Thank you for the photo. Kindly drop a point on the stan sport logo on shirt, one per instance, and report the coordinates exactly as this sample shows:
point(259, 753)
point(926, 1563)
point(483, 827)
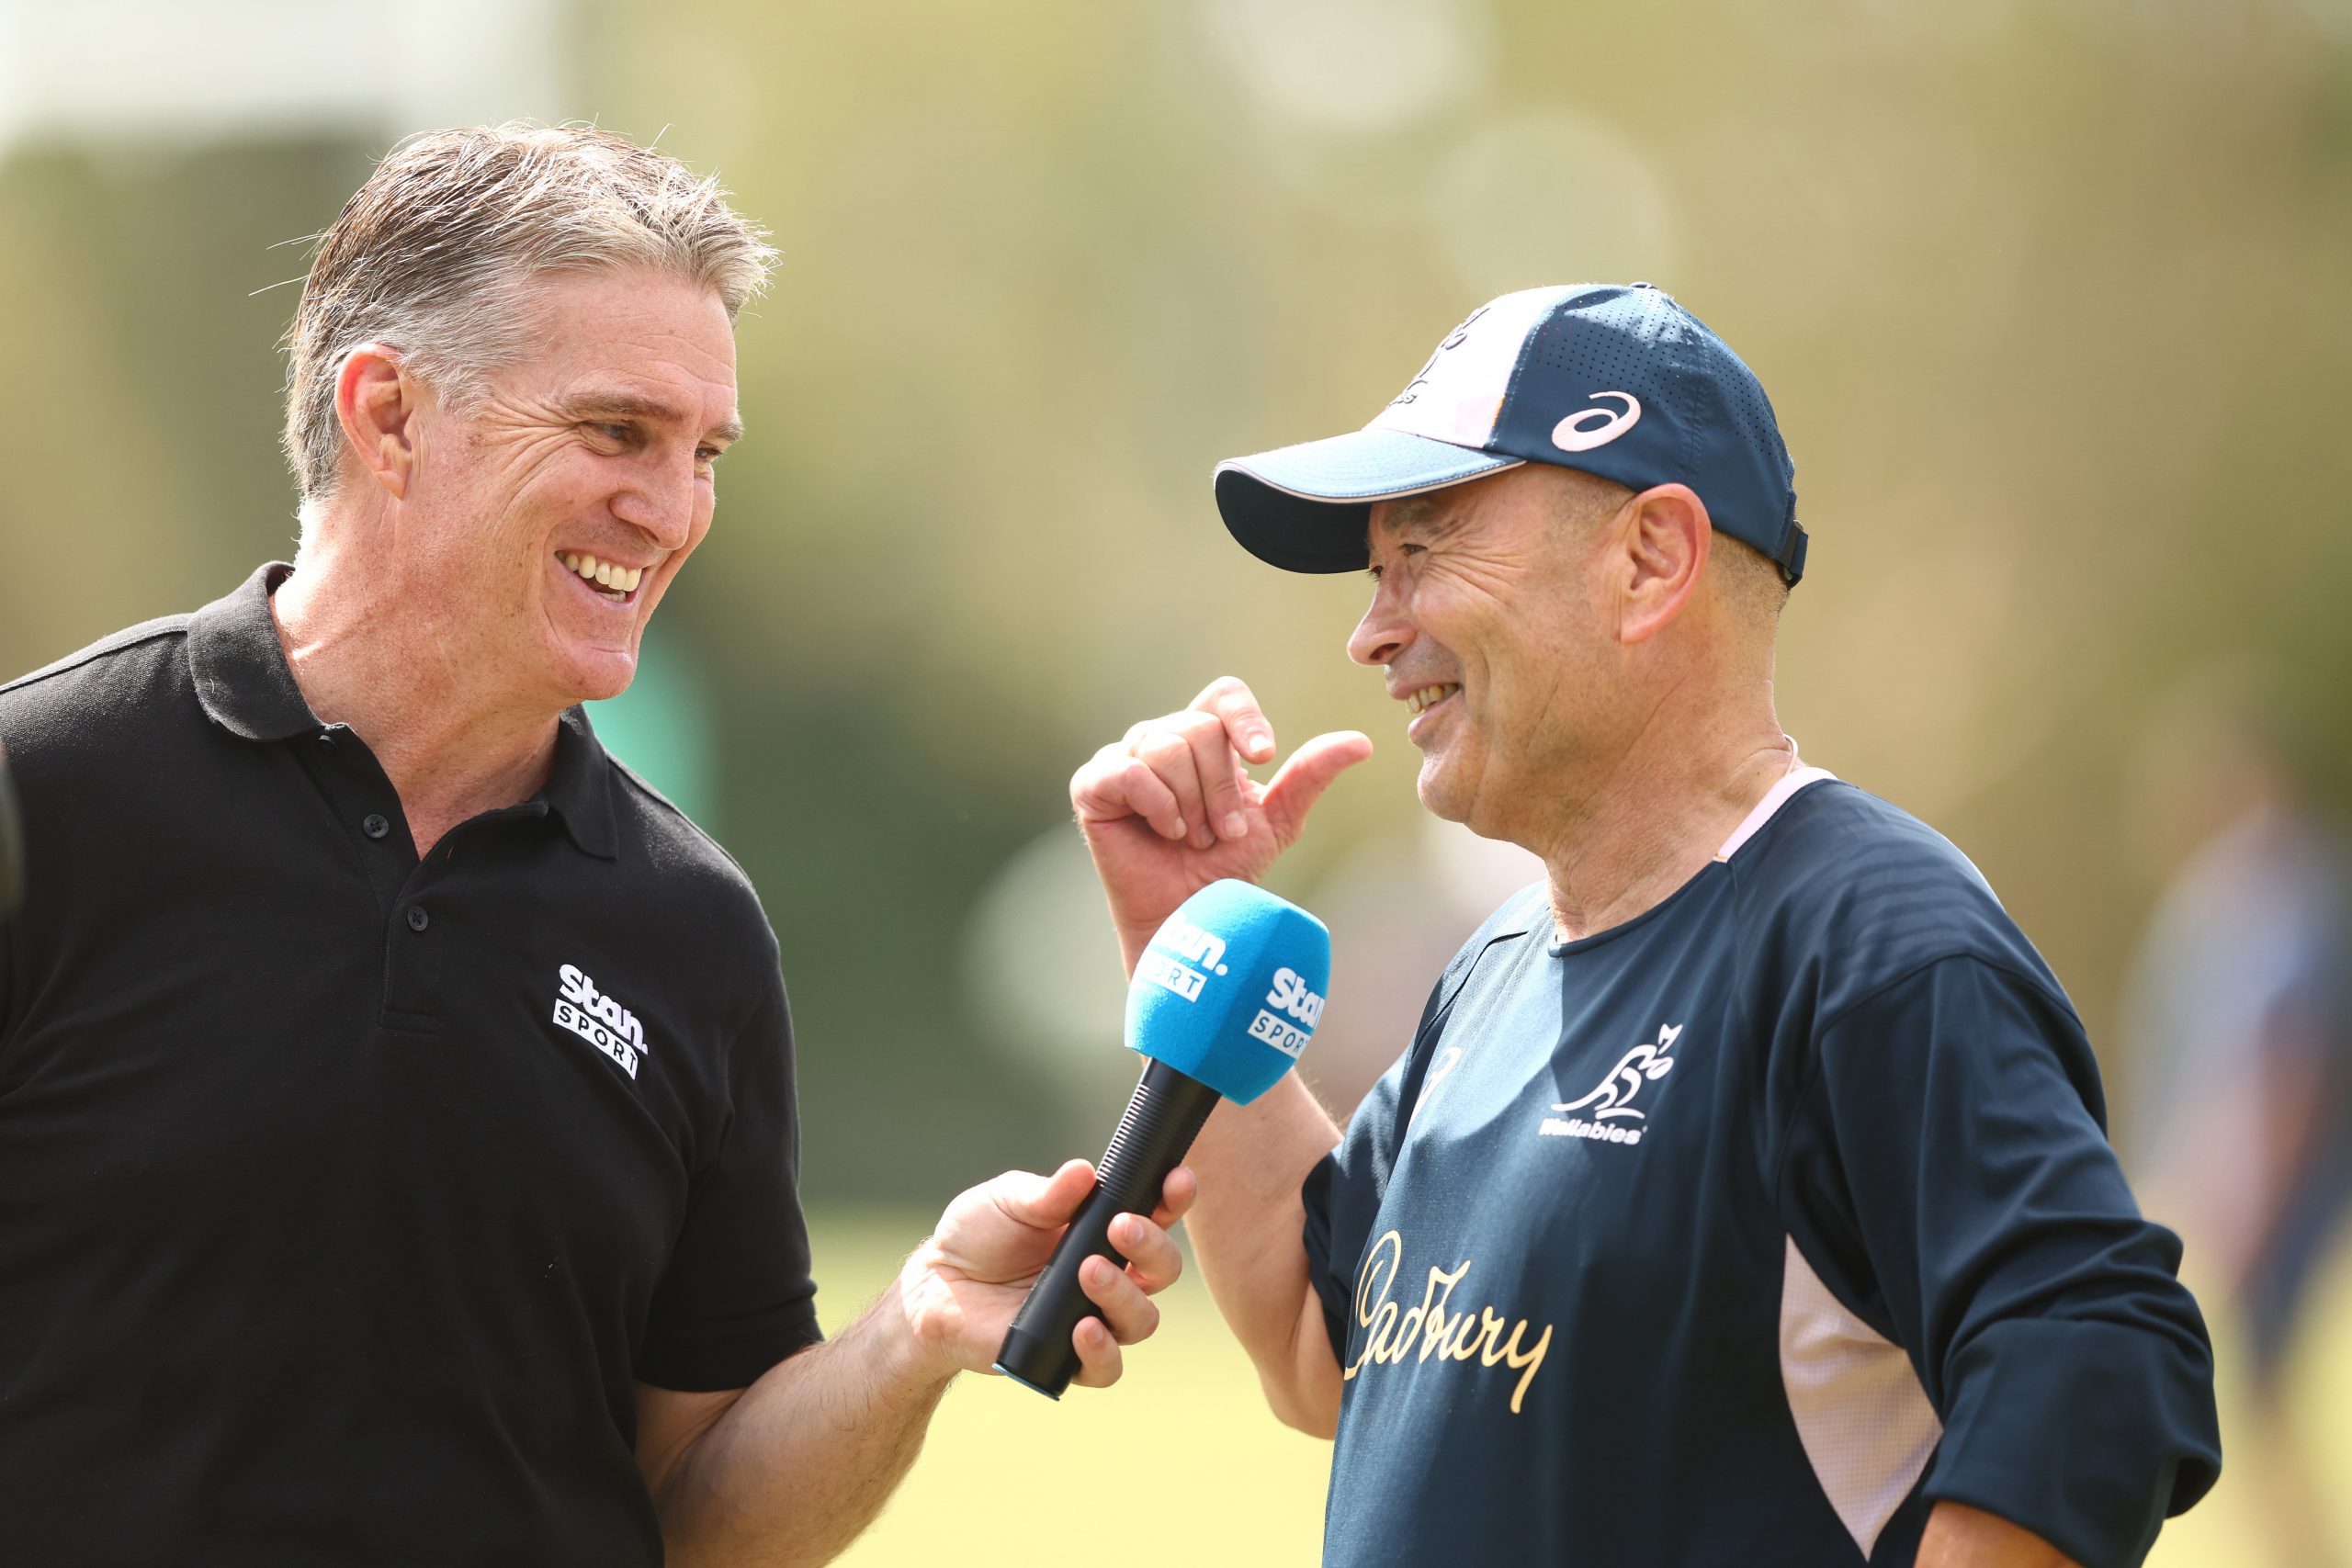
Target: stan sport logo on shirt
point(1611, 1104)
point(598, 1019)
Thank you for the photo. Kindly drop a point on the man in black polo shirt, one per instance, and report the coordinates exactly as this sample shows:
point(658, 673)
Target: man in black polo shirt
point(396, 1138)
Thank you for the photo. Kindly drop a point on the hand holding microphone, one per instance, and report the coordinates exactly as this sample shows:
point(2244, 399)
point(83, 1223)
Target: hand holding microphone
point(1224, 1000)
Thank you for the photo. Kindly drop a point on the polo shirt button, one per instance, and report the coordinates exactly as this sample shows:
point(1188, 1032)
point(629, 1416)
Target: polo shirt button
point(374, 824)
point(417, 918)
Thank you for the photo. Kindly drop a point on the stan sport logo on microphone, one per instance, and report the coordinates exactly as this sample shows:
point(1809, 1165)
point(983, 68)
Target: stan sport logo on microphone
point(1182, 956)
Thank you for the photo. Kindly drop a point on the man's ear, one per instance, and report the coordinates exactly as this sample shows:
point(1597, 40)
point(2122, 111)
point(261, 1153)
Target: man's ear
point(377, 404)
point(1665, 541)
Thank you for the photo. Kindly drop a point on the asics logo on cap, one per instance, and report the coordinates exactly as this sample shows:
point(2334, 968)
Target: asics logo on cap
point(1577, 433)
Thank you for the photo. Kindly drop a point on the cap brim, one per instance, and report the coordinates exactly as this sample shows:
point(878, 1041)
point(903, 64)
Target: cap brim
point(1305, 508)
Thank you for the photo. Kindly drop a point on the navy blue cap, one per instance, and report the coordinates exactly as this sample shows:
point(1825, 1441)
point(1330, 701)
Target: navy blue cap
point(1614, 379)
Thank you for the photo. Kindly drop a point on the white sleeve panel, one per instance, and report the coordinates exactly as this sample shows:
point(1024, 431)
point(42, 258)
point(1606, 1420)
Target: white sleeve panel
point(1864, 1420)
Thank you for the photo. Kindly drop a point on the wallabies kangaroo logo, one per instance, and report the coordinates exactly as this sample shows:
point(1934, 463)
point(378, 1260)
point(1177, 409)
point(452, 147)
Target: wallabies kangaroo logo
point(1643, 1063)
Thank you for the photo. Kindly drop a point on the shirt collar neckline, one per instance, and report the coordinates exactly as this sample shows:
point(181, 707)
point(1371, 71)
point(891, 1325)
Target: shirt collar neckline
point(579, 785)
point(242, 676)
point(247, 688)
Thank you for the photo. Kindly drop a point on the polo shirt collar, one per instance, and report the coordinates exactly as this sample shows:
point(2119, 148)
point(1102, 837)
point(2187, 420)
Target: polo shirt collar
point(247, 688)
point(242, 676)
point(579, 785)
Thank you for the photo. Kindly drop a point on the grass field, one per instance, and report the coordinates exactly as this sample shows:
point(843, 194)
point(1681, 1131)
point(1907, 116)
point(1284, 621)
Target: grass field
point(1009, 1478)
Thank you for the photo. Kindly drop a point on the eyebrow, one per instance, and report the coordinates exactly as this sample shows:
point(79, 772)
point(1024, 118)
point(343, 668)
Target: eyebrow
point(630, 405)
point(1418, 515)
point(1413, 513)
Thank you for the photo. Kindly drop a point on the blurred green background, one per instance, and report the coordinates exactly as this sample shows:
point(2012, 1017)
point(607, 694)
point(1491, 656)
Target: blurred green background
point(2054, 301)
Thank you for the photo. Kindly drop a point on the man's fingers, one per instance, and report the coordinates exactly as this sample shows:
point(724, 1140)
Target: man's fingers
point(1169, 756)
point(1244, 721)
point(1116, 784)
point(1132, 1315)
point(1220, 776)
point(1302, 781)
point(1152, 798)
point(1043, 1202)
point(1176, 1197)
point(1099, 1361)
point(1152, 1258)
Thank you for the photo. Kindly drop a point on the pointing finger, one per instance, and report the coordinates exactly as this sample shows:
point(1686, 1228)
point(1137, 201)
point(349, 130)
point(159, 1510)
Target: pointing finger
point(1302, 781)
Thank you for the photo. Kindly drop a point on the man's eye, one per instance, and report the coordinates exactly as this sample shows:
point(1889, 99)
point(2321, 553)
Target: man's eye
point(709, 455)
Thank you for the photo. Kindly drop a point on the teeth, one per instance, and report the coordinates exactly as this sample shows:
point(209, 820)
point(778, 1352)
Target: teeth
point(1428, 697)
point(610, 576)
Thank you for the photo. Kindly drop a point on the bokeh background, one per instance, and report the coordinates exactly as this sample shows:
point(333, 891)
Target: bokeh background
point(2054, 300)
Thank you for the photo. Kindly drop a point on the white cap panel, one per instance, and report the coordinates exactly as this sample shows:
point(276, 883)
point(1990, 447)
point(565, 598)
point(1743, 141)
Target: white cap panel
point(1457, 395)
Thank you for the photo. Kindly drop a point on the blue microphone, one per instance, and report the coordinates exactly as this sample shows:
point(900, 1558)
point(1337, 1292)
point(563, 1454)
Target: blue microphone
point(1223, 1001)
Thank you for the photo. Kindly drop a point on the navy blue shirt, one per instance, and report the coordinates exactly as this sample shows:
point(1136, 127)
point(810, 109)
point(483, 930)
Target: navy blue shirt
point(1746, 1230)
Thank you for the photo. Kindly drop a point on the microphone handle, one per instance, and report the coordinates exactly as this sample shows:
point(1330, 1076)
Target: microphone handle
point(1163, 1116)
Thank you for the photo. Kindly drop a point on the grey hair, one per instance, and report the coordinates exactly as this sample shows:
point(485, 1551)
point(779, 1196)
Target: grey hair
point(437, 254)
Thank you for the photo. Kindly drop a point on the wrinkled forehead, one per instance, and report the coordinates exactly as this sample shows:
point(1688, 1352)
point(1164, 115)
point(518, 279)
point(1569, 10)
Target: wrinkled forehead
point(1448, 512)
point(641, 347)
point(1417, 517)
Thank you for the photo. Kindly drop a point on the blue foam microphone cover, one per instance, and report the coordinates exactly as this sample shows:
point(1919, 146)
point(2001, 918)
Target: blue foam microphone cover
point(1231, 988)
point(1222, 1002)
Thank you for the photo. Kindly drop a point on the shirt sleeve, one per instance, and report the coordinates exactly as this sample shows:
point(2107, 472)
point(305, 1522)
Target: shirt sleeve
point(737, 1296)
point(1949, 1175)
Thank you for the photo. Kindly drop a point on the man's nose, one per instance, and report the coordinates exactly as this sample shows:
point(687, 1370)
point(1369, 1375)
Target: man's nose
point(1381, 636)
point(663, 504)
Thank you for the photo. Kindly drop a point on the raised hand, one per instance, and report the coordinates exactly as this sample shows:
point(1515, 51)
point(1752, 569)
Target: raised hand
point(1170, 807)
point(960, 1289)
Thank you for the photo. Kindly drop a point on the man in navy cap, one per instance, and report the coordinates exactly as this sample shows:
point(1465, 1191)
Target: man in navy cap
point(1743, 1194)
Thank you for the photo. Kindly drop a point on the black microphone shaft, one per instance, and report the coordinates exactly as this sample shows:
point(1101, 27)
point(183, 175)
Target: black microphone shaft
point(1163, 1116)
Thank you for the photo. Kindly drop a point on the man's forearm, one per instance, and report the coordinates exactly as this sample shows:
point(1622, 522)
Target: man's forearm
point(1246, 1229)
point(1961, 1537)
point(803, 1461)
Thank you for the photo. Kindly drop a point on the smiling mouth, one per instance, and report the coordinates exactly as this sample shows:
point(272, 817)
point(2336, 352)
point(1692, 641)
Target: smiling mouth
point(611, 582)
point(1420, 701)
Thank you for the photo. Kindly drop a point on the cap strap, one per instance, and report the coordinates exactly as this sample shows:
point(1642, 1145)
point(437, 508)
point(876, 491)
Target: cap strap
point(1791, 556)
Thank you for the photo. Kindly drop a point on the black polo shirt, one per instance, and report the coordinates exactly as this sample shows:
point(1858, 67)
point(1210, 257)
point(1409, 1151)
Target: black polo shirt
point(344, 1197)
